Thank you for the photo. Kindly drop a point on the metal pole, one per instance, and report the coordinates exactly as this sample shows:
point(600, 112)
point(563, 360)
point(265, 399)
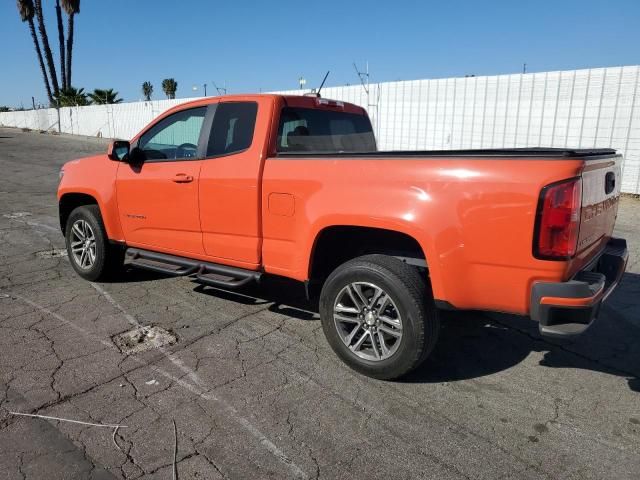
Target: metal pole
point(604, 79)
point(368, 84)
point(205, 89)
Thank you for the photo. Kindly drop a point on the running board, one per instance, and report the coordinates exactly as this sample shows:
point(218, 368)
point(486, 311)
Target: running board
point(211, 274)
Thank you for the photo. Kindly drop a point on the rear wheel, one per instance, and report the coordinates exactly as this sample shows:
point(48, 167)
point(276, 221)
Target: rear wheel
point(379, 316)
point(90, 253)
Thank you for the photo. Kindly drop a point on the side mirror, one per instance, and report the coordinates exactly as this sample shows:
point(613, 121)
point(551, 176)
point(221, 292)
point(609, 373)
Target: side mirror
point(136, 156)
point(118, 150)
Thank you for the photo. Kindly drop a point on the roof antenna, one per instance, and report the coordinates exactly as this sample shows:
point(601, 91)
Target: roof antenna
point(322, 84)
point(314, 93)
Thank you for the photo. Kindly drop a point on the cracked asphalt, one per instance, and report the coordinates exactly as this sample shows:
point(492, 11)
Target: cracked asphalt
point(255, 391)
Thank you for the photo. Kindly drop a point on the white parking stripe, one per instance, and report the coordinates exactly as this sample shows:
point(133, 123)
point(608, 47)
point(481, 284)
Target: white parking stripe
point(193, 376)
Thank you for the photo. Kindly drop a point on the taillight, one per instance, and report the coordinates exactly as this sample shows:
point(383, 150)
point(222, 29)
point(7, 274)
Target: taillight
point(558, 220)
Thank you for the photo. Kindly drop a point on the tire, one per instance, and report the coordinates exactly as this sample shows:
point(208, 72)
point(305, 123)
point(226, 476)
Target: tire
point(107, 260)
point(407, 321)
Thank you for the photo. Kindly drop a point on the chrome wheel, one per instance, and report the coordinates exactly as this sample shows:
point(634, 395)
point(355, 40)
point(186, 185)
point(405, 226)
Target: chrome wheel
point(83, 244)
point(368, 321)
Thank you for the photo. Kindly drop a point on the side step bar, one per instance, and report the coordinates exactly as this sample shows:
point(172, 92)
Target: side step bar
point(206, 273)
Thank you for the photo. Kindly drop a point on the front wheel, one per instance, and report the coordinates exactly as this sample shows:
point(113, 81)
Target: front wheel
point(379, 316)
point(90, 253)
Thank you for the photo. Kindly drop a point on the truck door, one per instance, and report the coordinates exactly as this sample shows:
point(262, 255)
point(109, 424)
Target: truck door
point(158, 197)
point(230, 182)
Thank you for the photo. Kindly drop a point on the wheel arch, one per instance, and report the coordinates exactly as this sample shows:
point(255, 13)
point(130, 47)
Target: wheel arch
point(336, 244)
point(70, 201)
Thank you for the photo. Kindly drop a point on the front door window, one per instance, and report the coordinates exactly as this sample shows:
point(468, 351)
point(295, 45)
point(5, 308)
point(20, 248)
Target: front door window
point(174, 137)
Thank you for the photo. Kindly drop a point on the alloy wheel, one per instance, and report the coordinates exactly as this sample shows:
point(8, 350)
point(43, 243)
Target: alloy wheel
point(83, 244)
point(368, 321)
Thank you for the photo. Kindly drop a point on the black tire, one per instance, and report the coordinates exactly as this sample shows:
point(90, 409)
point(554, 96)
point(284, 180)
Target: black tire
point(412, 296)
point(109, 259)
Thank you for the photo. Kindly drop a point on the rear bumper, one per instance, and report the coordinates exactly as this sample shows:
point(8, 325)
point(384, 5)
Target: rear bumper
point(569, 308)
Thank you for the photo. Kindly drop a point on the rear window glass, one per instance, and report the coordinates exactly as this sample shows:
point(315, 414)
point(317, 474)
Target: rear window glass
point(232, 129)
point(315, 130)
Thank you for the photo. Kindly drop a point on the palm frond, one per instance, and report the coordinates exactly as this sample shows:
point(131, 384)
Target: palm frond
point(71, 6)
point(25, 7)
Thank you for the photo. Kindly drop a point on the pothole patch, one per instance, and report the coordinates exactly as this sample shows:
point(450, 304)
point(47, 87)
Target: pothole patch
point(55, 253)
point(15, 215)
point(143, 338)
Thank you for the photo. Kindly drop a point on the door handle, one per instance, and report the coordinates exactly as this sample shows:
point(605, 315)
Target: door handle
point(182, 178)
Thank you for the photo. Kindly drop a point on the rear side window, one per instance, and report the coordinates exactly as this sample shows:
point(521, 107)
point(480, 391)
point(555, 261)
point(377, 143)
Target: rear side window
point(315, 130)
point(232, 128)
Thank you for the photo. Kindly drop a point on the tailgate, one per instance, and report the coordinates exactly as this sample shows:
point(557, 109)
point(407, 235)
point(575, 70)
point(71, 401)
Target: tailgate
point(601, 179)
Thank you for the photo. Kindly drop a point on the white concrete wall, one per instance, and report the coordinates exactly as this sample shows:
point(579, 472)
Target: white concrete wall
point(123, 120)
point(578, 108)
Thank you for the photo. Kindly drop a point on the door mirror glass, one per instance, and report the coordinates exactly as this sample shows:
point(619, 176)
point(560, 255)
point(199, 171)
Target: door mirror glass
point(118, 150)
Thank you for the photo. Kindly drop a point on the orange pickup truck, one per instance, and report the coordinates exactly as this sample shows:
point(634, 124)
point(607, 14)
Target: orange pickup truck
point(228, 189)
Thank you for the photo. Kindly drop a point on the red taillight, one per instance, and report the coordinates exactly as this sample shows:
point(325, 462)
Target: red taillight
point(558, 220)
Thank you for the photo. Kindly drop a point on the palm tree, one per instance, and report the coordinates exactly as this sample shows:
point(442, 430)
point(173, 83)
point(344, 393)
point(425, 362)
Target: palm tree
point(71, 97)
point(61, 43)
point(169, 87)
point(45, 46)
point(26, 9)
point(103, 97)
point(72, 7)
point(147, 90)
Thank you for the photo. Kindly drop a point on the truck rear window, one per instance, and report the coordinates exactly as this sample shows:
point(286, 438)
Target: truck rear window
point(316, 130)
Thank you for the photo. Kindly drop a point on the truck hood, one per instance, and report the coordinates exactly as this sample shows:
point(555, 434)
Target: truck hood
point(84, 161)
point(93, 176)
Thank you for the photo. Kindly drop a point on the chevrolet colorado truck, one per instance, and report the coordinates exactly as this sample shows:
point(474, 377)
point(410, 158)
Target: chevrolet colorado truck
point(228, 189)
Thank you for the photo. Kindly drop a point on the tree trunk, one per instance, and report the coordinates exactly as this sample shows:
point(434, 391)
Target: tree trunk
point(63, 73)
point(32, 28)
point(69, 46)
point(47, 49)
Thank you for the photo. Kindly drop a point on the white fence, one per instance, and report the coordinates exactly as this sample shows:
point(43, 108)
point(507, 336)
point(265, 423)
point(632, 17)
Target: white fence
point(122, 120)
point(579, 108)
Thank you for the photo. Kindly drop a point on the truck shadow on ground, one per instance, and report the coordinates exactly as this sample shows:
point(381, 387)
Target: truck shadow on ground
point(476, 344)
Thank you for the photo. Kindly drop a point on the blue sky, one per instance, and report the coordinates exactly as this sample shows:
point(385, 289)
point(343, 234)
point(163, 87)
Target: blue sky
point(268, 45)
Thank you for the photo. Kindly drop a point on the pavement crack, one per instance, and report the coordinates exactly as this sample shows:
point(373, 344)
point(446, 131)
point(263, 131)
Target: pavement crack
point(213, 464)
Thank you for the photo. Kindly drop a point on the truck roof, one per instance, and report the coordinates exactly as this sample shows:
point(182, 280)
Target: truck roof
point(299, 101)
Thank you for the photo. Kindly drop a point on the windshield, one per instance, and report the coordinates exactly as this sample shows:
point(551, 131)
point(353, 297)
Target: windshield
point(316, 130)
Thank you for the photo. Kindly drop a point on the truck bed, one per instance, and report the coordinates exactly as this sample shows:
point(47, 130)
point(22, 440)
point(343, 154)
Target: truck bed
point(511, 153)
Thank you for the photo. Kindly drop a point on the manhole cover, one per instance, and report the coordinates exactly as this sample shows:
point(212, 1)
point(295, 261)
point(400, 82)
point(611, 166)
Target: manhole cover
point(16, 215)
point(56, 253)
point(143, 338)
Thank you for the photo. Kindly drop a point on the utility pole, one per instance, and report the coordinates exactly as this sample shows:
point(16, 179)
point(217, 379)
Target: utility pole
point(221, 90)
point(364, 75)
point(204, 85)
point(364, 78)
point(33, 101)
point(524, 68)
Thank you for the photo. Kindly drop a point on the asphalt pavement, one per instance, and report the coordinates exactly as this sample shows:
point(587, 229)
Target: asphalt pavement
point(255, 391)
